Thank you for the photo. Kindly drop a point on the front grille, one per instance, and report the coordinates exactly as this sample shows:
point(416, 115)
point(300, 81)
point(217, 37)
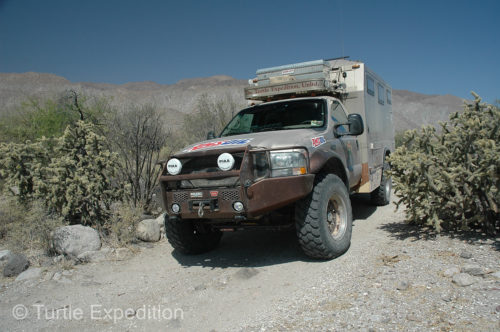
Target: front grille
point(230, 195)
point(180, 197)
point(208, 164)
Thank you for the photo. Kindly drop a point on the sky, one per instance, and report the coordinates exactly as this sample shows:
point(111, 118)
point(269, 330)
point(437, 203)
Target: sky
point(431, 47)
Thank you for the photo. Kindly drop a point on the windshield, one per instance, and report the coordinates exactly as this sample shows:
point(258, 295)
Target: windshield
point(297, 114)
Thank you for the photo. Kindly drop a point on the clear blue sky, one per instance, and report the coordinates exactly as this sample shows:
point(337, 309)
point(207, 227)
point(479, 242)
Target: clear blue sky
point(433, 47)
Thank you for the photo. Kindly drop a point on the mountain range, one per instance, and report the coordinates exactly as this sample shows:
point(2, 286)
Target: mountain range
point(410, 109)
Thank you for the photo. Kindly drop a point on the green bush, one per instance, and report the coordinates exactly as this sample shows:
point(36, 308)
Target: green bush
point(74, 175)
point(21, 164)
point(451, 179)
point(78, 183)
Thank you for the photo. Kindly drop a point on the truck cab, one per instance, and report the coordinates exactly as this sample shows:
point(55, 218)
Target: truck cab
point(291, 159)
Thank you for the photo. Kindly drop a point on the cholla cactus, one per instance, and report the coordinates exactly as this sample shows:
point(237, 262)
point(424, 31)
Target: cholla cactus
point(78, 181)
point(452, 178)
point(20, 165)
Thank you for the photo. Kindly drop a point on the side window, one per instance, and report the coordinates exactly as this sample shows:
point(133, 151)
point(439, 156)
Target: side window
point(339, 116)
point(370, 85)
point(389, 97)
point(380, 94)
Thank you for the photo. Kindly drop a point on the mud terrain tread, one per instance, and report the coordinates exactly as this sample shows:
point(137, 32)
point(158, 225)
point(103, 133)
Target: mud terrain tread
point(378, 197)
point(308, 223)
point(181, 235)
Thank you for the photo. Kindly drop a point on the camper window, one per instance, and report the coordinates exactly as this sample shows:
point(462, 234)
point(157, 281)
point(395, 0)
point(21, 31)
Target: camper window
point(389, 97)
point(370, 85)
point(380, 94)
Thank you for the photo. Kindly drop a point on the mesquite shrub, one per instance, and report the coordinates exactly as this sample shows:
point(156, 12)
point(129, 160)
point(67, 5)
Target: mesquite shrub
point(451, 179)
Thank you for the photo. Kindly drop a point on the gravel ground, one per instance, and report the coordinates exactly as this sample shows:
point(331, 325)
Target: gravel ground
point(393, 278)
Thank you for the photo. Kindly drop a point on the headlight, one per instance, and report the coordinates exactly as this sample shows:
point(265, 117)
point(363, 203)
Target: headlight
point(288, 162)
point(174, 166)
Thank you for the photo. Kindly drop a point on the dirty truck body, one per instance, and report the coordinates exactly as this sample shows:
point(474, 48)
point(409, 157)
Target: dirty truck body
point(316, 133)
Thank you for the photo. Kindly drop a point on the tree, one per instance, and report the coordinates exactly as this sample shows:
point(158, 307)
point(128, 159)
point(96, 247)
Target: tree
point(138, 135)
point(210, 115)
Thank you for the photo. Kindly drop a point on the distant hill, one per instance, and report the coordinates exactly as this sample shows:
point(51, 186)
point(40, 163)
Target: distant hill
point(410, 109)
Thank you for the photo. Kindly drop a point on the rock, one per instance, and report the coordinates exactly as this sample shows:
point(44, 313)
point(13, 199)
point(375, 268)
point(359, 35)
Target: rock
point(161, 221)
point(94, 255)
point(5, 255)
point(463, 279)
point(451, 272)
point(15, 190)
point(472, 269)
point(148, 230)
point(465, 254)
point(58, 259)
point(403, 285)
point(447, 298)
point(75, 240)
point(16, 264)
point(496, 274)
point(33, 273)
point(57, 276)
point(49, 275)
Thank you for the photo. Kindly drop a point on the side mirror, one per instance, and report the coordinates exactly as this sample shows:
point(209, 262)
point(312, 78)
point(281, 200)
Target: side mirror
point(356, 126)
point(210, 135)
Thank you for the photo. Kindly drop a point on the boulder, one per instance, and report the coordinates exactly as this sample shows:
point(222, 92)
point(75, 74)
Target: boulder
point(33, 273)
point(75, 240)
point(161, 221)
point(4, 257)
point(17, 263)
point(148, 230)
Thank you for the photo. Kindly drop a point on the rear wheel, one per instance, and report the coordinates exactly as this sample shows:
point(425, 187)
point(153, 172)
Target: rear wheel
point(324, 219)
point(382, 195)
point(188, 238)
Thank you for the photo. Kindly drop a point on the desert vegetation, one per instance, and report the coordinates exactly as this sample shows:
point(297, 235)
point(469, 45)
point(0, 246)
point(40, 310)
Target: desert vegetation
point(78, 160)
point(450, 179)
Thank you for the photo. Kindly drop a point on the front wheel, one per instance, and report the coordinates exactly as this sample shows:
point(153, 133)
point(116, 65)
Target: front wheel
point(324, 219)
point(184, 236)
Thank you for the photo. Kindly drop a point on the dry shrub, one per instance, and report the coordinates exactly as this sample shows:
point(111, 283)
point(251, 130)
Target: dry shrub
point(26, 228)
point(120, 229)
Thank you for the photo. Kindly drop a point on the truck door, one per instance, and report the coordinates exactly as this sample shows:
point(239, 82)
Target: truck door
point(349, 144)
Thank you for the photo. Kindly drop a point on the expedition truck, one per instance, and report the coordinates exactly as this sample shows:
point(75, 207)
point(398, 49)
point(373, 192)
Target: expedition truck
point(314, 134)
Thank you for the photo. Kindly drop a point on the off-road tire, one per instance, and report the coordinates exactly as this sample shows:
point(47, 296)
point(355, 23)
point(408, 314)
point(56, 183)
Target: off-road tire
point(382, 195)
point(317, 214)
point(186, 238)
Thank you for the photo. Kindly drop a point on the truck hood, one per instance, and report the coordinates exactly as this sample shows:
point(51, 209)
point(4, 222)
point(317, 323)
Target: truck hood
point(308, 138)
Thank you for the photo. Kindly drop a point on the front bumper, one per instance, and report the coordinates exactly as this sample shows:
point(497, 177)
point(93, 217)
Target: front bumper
point(258, 197)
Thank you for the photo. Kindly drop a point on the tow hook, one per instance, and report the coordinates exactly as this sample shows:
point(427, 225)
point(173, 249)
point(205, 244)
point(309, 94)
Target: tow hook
point(200, 210)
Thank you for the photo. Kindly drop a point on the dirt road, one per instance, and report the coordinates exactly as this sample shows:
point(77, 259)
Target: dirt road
point(262, 281)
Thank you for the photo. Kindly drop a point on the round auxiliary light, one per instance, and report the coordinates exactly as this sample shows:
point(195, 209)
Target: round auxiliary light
point(174, 166)
point(238, 206)
point(225, 161)
point(176, 208)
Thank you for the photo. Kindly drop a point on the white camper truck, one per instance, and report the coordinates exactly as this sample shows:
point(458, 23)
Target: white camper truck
point(315, 133)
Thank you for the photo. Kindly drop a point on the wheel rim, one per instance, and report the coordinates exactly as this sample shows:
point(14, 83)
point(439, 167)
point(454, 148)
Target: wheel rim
point(336, 215)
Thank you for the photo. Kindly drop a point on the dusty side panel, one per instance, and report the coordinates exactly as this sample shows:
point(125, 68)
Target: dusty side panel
point(379, 125)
